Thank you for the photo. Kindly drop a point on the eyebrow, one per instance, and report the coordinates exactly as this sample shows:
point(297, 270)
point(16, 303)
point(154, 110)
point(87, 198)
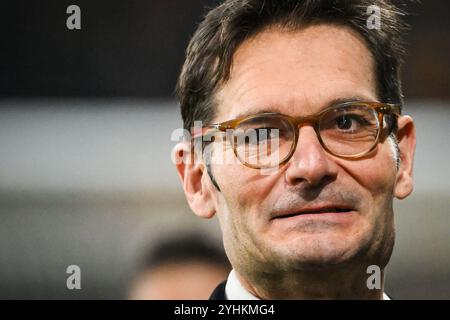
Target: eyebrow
point(331, 103)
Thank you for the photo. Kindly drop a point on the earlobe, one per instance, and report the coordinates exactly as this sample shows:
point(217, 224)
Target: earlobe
point(193, 175)
point(406, 137)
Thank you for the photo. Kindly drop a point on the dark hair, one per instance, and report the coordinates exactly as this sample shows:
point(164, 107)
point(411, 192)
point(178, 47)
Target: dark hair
point(184, 248)
point(210, 51)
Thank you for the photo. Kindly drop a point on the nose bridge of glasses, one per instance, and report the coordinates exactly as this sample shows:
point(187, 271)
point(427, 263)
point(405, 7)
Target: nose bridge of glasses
point(304, 123)
point(299, 122)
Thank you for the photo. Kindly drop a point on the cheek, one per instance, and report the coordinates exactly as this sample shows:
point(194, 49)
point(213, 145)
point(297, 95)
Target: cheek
point(242, 187)
point(244, 195)
point(238, 192)
point(380, 173)
point(375, 176)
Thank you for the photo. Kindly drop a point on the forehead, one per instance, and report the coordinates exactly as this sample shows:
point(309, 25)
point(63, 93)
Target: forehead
point(297, 72)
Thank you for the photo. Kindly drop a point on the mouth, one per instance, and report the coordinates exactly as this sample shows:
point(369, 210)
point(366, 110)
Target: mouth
point(319, 211)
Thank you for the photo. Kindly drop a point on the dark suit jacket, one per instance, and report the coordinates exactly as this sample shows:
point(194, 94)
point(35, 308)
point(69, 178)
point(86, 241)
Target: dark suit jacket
point(219, 292)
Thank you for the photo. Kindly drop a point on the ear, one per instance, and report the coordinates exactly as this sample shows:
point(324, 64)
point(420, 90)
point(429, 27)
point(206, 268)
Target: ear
point(195, 180)
point(406, 137)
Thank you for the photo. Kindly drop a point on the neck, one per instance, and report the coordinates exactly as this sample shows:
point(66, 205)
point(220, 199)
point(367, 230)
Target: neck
point(313, 284)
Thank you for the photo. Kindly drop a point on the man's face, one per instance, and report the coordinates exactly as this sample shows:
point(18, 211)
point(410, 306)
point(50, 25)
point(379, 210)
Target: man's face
point(298, 74)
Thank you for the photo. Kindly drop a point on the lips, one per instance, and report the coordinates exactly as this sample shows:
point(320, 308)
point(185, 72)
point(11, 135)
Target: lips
point(313, 210)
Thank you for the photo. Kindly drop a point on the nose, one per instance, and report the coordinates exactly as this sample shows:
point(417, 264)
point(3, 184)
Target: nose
point(310, 164)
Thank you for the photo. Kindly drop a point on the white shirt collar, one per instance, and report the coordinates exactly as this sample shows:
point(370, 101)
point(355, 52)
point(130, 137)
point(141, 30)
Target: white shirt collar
point(234, 290)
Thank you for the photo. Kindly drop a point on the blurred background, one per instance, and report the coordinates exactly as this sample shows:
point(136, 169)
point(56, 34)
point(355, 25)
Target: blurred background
point(85, 123)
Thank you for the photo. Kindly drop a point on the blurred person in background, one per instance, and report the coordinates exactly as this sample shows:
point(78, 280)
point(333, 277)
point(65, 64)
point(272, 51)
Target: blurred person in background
point(183, 267)
point(307, 210)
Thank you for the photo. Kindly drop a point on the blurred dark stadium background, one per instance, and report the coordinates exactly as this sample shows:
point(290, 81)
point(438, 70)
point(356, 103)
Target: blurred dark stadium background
point(135, 48)
point(85, 124)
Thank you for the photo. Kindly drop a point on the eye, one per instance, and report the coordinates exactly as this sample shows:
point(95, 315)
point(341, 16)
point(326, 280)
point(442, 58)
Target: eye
point(350, 122)
point(344, 122)
point(264, 130)
point(264, 134)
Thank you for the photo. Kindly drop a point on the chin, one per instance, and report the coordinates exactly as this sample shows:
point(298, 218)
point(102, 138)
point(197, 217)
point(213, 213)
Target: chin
point(321, 252)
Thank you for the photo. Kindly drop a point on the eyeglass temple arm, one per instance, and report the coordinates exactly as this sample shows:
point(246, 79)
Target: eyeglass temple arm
point(390, 108)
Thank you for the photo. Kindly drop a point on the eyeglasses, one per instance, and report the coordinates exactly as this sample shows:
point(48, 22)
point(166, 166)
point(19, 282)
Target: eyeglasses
point(348, 130)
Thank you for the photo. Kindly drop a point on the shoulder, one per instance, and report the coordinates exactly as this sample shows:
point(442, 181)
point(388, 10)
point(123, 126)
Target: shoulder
point(219, 292)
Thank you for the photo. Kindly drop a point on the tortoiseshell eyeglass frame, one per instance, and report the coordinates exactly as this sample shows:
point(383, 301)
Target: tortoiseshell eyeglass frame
point(382, 109)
